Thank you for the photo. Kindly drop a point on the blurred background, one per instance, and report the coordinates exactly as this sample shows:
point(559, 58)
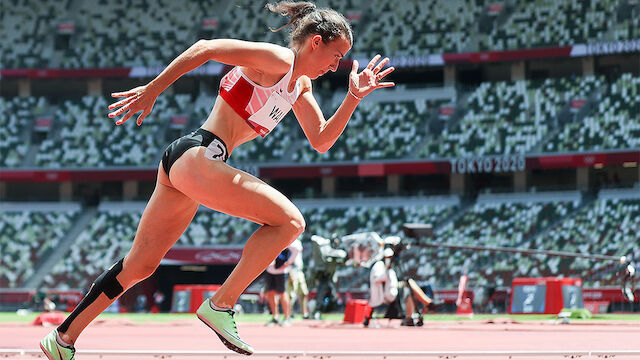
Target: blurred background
point(512, 124)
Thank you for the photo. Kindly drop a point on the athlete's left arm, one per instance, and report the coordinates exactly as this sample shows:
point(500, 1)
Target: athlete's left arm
point(322, 133)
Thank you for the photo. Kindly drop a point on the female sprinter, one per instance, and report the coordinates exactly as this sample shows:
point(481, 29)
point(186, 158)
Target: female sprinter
point(267, 81)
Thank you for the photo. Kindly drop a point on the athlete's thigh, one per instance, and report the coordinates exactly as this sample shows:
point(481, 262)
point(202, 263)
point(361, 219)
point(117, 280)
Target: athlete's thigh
point(221, 187)
point(165, 218)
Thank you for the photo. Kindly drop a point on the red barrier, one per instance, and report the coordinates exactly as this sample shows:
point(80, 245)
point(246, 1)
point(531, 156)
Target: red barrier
point(188, 298)
point(547, 295)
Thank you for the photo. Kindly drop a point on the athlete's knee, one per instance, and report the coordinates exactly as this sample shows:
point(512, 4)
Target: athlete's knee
point(298, 224)
point(292, 226)
point(139, 270)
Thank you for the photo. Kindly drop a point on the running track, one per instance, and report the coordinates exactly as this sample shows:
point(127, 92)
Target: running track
point(324, 340)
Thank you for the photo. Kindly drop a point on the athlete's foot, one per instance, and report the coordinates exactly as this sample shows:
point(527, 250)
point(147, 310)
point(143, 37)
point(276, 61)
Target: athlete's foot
point(54, 350)
point(407, 322)
point(222, 322)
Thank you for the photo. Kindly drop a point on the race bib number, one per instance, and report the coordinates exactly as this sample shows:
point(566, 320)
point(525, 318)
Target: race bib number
point(272, 112)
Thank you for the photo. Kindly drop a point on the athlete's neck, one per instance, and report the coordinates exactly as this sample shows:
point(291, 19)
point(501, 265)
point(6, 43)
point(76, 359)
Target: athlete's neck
point(296, 73)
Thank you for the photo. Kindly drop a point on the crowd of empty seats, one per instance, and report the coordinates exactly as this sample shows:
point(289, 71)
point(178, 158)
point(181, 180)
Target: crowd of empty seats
point(497, 118)
point(614, 124)
point(499, 224)
point(106, 239)
point(510, 117)
point(131, 33)
point(152, 33)
point(27, 237)
point(15, 121)
point(411, 28)
point(110, 235)
point(86, 137)
point(26, 26)
point(376, 130)
point(553, 23)
point(607, 226)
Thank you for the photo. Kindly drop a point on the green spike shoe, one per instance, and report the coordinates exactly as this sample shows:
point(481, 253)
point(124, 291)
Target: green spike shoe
point(53, 350)
point(222, 322)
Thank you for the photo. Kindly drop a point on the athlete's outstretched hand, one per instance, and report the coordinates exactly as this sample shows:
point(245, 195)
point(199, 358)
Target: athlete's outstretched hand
point(138, 99)
point(369, 79)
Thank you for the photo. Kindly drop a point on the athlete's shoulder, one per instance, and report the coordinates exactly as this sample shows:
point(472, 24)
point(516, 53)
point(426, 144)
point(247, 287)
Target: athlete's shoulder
point(281, 53)
point(305, 84)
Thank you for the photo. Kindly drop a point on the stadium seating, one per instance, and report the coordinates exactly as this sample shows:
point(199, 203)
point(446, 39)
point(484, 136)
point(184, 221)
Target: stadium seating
point(107, 238)
point(608, 227)
point(130, 33)
point(387, 220)
point(509, 117)
point(26, 26)
point(152, 33)
point(615, 123)
point(552, 23)
point(110, 235)
point(410, 28)
point(15, 120)
point(377, 130)
point(494, 224)
point(27, 236)
point(88, 138)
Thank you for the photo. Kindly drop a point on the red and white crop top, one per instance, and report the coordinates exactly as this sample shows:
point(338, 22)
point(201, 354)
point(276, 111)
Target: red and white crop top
point(261, 107)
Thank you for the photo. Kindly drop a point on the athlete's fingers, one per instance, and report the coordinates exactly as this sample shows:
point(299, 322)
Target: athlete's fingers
point(373, 62)
point(120, 111)
point(123, 93)
point(385, 72)
point(385, 84)
point(122, 102)
point(380, 65)
point(125, 118)
point(354, 66)
point(141, 117)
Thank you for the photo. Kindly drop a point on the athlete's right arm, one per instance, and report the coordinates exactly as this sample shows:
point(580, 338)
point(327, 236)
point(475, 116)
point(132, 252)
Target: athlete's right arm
point(264, 57)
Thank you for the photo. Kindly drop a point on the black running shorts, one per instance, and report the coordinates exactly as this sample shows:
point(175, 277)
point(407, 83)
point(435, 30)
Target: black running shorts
point(216, 148)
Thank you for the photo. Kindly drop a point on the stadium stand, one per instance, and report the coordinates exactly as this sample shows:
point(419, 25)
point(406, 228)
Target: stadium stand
point(16, 122)
point(510, 220)
point(510, 117)
point(28, 232)
point(377, 130)
point(608, 227)
point(553, 23)
point(111, 233)
point(88, 138)
point(26, 26)
point(417, 27)
point(164, 28)
point(550, 115)
point(614, 124)
point(107, 238)
point(129, 33)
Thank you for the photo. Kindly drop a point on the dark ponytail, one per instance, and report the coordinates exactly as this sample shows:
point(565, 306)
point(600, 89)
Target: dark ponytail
point(306, 19)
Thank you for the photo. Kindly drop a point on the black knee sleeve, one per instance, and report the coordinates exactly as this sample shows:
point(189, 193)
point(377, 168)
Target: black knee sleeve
point(106, 283)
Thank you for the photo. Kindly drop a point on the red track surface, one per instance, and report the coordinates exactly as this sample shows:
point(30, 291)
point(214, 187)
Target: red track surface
point(328, 336)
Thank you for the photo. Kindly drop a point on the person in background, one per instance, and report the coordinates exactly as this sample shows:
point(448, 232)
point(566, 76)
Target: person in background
point(276, 277)
point(297, 285)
